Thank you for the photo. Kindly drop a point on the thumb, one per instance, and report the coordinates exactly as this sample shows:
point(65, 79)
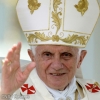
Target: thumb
point(28, 69)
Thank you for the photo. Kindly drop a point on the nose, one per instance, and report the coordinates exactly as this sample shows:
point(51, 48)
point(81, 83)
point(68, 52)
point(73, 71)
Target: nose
point(57, 64)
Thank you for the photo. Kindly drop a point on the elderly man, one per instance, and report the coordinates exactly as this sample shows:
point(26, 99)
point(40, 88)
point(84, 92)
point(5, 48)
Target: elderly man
point(55, 66)
point(55, 30)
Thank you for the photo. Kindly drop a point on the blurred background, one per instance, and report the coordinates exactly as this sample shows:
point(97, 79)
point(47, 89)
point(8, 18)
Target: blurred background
point(11, 33)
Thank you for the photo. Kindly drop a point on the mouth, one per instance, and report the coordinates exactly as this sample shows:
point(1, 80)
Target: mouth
point(57, 74)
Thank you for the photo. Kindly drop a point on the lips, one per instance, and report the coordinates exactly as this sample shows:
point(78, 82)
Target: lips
point(57, 74)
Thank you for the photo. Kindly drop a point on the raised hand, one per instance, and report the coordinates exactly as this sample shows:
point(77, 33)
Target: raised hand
point(12, 76)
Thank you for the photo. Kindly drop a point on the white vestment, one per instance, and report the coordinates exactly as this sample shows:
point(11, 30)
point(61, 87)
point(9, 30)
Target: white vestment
point(41, 92)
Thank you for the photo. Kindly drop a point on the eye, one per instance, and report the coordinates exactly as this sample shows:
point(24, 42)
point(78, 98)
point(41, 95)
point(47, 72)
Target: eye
point(47, 55)
point(66, 55)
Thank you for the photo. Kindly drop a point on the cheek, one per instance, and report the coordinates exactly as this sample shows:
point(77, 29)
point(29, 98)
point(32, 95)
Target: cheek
point(42, 62)
point(42, 66)
point(71, 64)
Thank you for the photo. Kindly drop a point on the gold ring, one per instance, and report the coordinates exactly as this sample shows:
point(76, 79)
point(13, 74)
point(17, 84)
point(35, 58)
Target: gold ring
point(9, 63)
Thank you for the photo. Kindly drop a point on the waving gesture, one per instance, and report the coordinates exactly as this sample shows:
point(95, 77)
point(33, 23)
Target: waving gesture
point(12, 76)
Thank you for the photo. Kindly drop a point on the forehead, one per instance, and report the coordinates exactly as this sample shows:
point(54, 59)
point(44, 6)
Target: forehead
point(56, 48)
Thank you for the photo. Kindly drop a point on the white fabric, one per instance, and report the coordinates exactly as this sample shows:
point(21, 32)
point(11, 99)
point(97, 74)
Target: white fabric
point(61, 23)
point(69, 92)
point(42, 92)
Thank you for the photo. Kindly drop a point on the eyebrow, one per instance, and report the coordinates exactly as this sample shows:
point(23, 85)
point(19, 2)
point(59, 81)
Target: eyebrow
point(45, 51)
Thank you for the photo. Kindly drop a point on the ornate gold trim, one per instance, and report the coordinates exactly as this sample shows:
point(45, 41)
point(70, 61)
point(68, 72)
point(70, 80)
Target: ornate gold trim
point(82, 6)
point(97, 84)
point(33, 5)
point(55, 14)
point(70, 39)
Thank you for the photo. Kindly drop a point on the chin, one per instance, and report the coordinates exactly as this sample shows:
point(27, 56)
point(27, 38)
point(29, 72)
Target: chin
point(57, 85)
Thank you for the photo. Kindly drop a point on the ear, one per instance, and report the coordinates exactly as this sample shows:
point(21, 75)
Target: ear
point(82, 55)
point(31, 55)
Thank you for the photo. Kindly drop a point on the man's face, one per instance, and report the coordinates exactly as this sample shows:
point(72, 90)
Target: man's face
point(56, 65)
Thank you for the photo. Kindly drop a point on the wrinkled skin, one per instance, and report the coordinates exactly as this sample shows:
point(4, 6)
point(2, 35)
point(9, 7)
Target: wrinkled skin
point(56, 65)
point(12, 76)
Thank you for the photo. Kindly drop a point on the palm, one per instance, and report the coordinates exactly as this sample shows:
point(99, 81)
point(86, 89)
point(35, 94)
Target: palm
point(12, 76)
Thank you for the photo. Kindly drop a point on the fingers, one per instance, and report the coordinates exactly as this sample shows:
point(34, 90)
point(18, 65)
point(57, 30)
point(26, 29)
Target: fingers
point(13, 57)
point(16, 56)
point(28, 69)
point(10, 54)
point(17, 51)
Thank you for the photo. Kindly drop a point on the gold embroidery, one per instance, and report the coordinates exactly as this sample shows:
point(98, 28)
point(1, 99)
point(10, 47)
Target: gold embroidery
point(97, 84)
point(33, 5)
point(55, 14)
point(76, 39)
point(37, 35)
point(70, 39)
point(82, 6)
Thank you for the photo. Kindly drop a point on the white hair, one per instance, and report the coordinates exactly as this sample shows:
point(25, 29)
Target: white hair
point(79, 52)
point(33, 48)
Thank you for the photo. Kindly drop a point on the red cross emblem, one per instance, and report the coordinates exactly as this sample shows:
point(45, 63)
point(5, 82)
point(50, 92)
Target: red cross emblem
point(30, 90)
point(93, 87)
